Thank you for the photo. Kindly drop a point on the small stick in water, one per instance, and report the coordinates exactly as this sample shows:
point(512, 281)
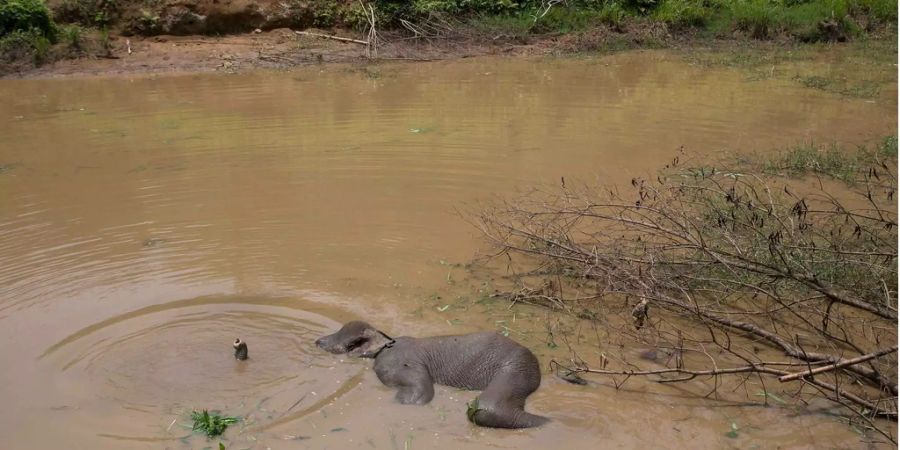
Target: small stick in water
point(240, 349)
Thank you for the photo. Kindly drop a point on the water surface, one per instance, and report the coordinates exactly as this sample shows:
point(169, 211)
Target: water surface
point(146, 222)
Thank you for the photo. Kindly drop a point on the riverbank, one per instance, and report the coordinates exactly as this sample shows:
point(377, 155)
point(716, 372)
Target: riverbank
point(99, 37)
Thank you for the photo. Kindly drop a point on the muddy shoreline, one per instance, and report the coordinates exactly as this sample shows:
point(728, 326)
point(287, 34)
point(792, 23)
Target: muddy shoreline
point(284, 48)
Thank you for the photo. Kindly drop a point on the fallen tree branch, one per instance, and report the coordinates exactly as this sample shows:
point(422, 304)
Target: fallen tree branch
point(328, 36)
point(873, 407)
point(691, 374)
point(838, 365)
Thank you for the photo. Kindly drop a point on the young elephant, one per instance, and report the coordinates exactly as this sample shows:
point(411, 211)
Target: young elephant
point(504, 370)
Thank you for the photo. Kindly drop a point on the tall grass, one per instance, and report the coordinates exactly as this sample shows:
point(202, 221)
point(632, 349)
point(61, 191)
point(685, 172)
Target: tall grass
point(686, 13)
point(832, 161)
point(808, 20)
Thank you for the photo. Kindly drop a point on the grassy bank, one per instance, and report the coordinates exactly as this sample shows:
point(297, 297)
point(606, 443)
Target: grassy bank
point(805, 20)
point(32, 33)
point(847, 165)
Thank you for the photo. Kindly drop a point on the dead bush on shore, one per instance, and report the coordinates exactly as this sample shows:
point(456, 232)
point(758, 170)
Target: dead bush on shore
point(729, 274)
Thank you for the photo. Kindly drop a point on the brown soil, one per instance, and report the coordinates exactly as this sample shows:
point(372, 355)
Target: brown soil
point(160, 36)
point(279, 48)
point(283, 48)
point(157, 36)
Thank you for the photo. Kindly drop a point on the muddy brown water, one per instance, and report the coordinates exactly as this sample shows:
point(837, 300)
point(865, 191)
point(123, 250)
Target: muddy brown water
point(147, 222)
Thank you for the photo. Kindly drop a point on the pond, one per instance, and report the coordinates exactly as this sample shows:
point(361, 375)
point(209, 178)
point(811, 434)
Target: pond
point(146, 222)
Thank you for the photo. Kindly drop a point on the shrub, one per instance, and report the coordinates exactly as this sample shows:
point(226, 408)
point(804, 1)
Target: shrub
point(565, 20)
point(25, 15)
point(883, 10)
point(72, 35)
point(21, 44)
point(612, 13)
point(682, 12)
point(469, 6)
point(98, 13)
point(758, 17)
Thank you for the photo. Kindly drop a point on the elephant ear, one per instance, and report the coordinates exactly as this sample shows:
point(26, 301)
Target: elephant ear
point(369, 344)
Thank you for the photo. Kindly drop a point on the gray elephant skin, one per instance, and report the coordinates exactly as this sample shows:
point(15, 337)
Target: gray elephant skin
point(505, 371)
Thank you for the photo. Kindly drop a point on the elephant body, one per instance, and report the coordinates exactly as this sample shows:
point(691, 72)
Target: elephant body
point(505, 371)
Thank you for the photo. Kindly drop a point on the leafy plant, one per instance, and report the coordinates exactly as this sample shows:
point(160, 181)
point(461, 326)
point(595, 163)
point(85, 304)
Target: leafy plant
point(213, 424)
point(104, 40)
point(472, 409)
point(26, 15)
point(683, 12)
point(22, 44)
point(325, 13)
point(72, 35)
point(98, 13)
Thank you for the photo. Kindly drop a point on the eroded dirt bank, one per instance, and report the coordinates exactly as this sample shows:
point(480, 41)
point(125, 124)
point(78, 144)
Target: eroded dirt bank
point(97, 37)
point(282, 48)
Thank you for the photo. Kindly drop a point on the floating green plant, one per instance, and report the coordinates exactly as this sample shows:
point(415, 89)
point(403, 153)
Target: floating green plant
point(213, 424)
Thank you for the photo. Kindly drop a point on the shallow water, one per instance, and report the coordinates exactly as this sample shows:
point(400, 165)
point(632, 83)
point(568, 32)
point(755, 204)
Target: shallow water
point(147, 222)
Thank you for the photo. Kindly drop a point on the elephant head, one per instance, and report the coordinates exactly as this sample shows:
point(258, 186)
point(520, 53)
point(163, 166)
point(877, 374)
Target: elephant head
point(357, 339)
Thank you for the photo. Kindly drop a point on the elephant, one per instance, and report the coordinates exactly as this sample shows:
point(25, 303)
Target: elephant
point(505, 371)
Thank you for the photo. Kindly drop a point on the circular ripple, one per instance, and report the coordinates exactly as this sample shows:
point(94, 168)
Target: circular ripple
point(179, 356)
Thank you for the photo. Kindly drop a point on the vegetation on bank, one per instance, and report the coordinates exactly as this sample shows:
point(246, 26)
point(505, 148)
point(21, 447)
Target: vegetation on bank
point(806, 20)
point(833, 161)
point(729, 272)
point(31, 31)
point(27, 29)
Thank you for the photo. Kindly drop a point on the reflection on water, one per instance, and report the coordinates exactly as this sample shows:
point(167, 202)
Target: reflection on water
point(133, 211)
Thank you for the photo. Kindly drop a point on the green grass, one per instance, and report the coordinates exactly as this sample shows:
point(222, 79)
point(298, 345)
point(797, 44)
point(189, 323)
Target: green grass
point(683, 13)
point(864, 68)
point(883, 10)
point(887, 147)
point(805, 20)
point(840, 85)
point(847, 165)
point(566, 20)
point(516, 25)
point(72, 35)
point(213, 424)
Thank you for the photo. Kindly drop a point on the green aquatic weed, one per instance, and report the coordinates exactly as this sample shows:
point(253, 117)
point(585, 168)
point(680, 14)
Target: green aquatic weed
point(213, 424)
